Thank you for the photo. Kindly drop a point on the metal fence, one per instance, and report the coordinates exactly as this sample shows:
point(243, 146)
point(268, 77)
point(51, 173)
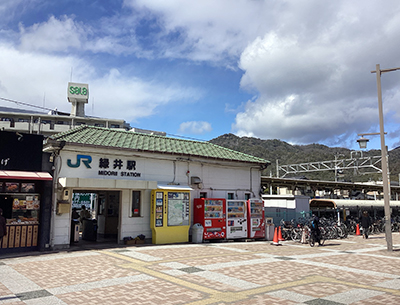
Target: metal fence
point(286, 215)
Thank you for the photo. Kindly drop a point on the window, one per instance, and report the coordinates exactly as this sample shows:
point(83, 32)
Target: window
point(231, 196)
point(135, 212)
point(247, 196)
point(12, 187)
point(27, 187)
point(114, 126)
point(11, 120)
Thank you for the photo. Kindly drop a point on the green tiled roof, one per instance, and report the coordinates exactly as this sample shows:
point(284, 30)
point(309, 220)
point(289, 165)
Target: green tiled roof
point(98, 136)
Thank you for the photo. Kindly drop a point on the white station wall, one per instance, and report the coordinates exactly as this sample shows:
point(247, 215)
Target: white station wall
point(217, 181)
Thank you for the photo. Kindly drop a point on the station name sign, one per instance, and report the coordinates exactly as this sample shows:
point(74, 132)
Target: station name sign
point(105, 166)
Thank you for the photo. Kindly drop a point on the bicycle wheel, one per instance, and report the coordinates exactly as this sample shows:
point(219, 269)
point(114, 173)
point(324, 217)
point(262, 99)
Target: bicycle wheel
point(335, 233)
point(340, 232)
point(296, 234)
point(285, 234)
point(322, 231)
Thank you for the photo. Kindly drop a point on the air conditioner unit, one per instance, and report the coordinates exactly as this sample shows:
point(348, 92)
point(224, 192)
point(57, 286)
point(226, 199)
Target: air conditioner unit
point(195, 180)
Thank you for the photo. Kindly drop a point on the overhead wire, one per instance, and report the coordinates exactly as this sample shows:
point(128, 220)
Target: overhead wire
point(22, 103)
point(49, 109)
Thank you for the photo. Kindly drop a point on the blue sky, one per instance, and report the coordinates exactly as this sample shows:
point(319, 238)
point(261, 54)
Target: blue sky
point(298, 71)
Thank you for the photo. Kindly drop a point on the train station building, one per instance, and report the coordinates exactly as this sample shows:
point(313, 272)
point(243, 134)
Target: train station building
point(121, 168)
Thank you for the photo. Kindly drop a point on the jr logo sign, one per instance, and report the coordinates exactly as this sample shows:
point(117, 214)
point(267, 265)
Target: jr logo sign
point(85, 160)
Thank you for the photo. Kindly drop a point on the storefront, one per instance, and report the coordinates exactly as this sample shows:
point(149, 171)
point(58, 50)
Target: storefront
point(123, 168)
point(25, 193)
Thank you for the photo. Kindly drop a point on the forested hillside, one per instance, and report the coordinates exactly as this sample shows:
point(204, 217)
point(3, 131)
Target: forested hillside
point(285, 153)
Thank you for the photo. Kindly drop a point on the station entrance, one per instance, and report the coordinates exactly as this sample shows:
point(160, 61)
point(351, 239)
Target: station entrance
point(95, 217)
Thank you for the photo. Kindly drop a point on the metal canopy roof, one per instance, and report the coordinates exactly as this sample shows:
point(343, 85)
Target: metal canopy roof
point(321, 185)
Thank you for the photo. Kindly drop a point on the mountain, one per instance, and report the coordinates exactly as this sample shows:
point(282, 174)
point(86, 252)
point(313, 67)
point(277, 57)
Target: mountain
point(287, 154)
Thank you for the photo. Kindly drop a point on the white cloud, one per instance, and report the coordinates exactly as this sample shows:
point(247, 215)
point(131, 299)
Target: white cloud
point(314, 83)
point(37, 79)
point(9, 9)
point(195, 127)
point(66, 35)
point(207, 30)
point(129, 98)
point(52, 36)
point(307, 62)
point(115, 94)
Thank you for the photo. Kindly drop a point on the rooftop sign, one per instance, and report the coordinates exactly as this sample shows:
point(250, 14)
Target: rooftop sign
point(78, 92)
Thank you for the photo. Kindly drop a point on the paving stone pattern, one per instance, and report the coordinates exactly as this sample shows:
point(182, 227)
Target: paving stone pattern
point(349, 271)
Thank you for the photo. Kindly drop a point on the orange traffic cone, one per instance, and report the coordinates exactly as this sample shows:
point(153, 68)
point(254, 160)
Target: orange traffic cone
point(280, 238)
point(358, 230)
point(275, 241)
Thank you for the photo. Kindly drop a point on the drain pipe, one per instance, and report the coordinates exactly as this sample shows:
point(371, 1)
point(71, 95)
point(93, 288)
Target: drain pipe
point(56, 170)
point(260, 169)
point(54, 201)
point(251, 179)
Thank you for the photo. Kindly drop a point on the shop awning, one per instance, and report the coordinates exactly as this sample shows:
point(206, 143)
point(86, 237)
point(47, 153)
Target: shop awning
point(25, 175)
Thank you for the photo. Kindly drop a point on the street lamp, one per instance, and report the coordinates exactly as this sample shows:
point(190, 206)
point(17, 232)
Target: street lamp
point(363, 142)
point(363, 145)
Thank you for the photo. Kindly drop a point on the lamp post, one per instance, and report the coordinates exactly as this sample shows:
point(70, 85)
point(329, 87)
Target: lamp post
point(386, 194)
point(336, 167)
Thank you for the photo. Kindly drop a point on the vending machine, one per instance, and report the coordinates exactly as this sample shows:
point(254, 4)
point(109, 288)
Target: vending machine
point(170, 216)
point(236, 219)
point(210, 213)
point(256, 221)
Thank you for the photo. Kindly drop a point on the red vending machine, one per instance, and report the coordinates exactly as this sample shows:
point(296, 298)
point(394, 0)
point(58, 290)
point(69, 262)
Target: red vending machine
point(236, 219)
point(210, 213)
point(256, 221)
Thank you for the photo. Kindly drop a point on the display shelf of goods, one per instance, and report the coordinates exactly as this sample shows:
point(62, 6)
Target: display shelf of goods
point(235, 215)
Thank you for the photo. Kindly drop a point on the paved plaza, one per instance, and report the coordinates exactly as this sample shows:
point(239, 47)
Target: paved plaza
point(348, 271)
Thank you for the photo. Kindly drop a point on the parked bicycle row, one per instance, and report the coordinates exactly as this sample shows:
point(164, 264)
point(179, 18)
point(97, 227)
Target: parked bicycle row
point(377, 225)
point(332, 229)
point(329, 228)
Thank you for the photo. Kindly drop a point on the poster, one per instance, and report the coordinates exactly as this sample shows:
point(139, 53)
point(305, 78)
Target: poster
point(159, 209)
point(178, 208)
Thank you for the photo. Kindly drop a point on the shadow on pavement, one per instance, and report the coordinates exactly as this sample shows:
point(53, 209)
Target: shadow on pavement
point(330, 244)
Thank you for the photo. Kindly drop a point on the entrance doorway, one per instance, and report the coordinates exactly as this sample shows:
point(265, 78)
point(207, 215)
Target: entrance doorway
point(108, 214)
point(101, 224)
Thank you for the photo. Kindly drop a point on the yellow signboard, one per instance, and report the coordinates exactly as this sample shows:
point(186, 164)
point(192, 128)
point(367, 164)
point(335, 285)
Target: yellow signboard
point(170, 216)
